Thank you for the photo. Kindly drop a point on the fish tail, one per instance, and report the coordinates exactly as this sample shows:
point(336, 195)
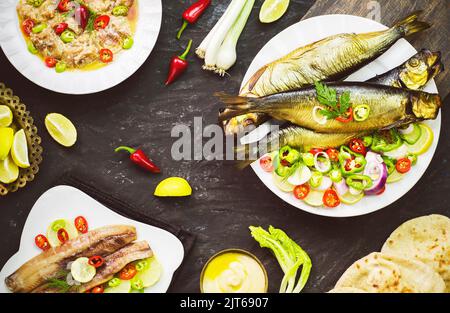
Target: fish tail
point(411, 24)
point(235, 105)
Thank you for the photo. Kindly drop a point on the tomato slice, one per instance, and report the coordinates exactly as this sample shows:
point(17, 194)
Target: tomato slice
point(96, 261)
point(128, 272)
point(315, 151)
point(266, 164)
point(301, 191)
point(60, 28)
point(101, 22)
point(333, 154)
point(42, 242)
point(63, 236)
point(331, 199)
point(106, 55)
point(98, 289)
point(347, 118)
point(27, 26)
point(403, 165)
point(81, 224)
point(63, 5)
point(357, 146)
point(50, 62)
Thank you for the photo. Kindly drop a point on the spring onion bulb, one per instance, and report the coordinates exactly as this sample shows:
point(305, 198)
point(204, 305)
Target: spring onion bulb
point(218, 38)
point(227, 54)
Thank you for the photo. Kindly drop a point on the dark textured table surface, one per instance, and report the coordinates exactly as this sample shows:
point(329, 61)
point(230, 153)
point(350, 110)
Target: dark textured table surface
point(141, 112)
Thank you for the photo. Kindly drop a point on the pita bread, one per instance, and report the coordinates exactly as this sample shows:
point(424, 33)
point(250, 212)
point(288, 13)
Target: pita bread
point(426, 239)
point(381, 273)
point(346, 290)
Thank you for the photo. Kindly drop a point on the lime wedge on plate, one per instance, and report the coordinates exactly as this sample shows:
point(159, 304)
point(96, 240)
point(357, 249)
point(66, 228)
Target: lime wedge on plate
point(6, 116)
point(424, 143)
point(273, 10)
point(19, 150)
point(6, 141)
point(9, 172)
point(173, 187)
point(61, 129)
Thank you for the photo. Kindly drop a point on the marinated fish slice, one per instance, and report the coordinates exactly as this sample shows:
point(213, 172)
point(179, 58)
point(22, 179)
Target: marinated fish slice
point(330, 59)
point(102, 241)
point(389, 107)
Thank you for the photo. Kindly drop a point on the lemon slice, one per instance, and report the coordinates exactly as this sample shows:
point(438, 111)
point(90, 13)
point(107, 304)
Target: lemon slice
point(123, 287)
point(424, 143)
point(82, 271)
point(350, 199)
point(150, 275)
point(9, 172)
point(19, 150)
point(315, 198)
point(6, 141)
point(61, 129)
point(282, 183)
point(6, 116)
point(173, 187)
point(273, 10)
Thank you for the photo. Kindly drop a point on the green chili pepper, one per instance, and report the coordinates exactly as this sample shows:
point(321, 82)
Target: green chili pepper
point(60, 67)
point(137, 284)
point(58, 224)
point(367, 140)
point(381, 145)
point(390, 164)
point(67, 36)
point(31, 48)
point(114, 282)
point(120, 10)
point(359, 182)
point(141, 265)
point(350, 161)
point(336, 175)
point(361, 112)
point(289, 155)
point(35, 3)
point(128, 43)
point(308, 159)
point(316, 179)
point(39, 28)
point(413, 158)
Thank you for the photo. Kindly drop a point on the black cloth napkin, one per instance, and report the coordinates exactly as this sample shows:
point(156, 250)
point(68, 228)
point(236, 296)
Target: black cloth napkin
point(127, 210)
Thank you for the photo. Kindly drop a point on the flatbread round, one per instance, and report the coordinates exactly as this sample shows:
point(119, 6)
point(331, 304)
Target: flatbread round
point(346, 290)
point(381, 273)
point(426, 239)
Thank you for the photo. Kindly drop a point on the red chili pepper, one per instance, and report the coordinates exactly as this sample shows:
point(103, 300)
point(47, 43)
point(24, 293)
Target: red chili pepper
point(192, 14)
point(178, 65)
point(138, 157)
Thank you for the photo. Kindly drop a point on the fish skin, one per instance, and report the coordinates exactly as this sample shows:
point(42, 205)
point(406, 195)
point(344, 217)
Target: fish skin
point(339, 56)
point(389, 107)
point(101, 241)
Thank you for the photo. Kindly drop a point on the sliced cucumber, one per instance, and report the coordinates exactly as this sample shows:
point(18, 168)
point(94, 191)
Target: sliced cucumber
point(52, 231)
point(395, 177)
point(315, 198)
point(150, 275)
point(282, 183)
point(124, 287)
point(413, 136)
point(82, 271)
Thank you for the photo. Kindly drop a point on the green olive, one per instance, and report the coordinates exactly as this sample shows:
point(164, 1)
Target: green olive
point(32, 48)
point(60, 67)
point(67, 36)
point(39, 28)
point(128, 43)
point(35, 3)
point(120, 10)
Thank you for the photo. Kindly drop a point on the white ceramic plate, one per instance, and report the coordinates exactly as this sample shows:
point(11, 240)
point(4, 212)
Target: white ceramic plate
point(317, 28)
point(68, 202)
point(125, 63)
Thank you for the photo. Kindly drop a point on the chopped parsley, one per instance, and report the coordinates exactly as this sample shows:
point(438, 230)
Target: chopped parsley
point(334, 106)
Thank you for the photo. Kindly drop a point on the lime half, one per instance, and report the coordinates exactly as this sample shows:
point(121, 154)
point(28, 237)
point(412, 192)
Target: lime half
point(19, 150)
point(273, 10)
point(424, 143)
point(82, 271)
point(9, 172)
point(6, 116)
point(173, 187)
point(61, 129)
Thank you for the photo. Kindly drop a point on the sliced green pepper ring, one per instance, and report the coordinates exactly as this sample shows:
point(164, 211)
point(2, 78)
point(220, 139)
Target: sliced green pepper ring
point(39, 28)
point(137, 284)
point(114, 282)
point(316, 179)
point(141, 265)
point(359, 182)
point(67, 36)
point(361, 112)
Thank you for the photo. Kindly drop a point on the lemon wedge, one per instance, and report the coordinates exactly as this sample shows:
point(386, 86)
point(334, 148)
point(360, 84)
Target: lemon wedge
point(9, 172)
point(6, 116)
point(424, 143)
point(61, 129)
point(19, 150)
point(6, 142)
point(173, 187)
point(273, 10)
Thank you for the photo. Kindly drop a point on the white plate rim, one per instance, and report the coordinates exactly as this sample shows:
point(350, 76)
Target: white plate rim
point(266, 55)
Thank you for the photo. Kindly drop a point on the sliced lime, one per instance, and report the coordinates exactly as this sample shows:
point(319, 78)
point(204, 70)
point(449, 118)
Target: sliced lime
point(6, 116)
point(273, 10)
point(424, 143)
point(61, 129)
point(6, 142)
point(350, 198)
point(315, 198)
point(123, 287)
point(282, 183)
point(19, 150)
point(52, 231)
point(9, 172)
point(82, 271)
point(151, 274)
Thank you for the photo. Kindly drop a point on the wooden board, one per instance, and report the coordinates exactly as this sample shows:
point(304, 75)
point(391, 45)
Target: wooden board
point(388, 12)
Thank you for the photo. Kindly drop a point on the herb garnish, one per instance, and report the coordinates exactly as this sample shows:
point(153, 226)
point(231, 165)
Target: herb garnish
point(335, 107)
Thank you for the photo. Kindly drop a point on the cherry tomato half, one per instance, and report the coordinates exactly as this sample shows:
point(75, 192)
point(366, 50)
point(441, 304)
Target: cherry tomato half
point(266, 163)
point(101, 22)
point(60, 28)
point(81, 224)
point(331, 199)
point(403, 165)
point(357, 146)
point(333, 154)
point(315, 151)
point(347, 117)
point(128, 272)
point(27, 26)
point(96, 261)
point(106, 55)
point(50, 62)
point(64, 5)
point(42, 242)
point(98, 289)
point(63, 236)
point(301, 192)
